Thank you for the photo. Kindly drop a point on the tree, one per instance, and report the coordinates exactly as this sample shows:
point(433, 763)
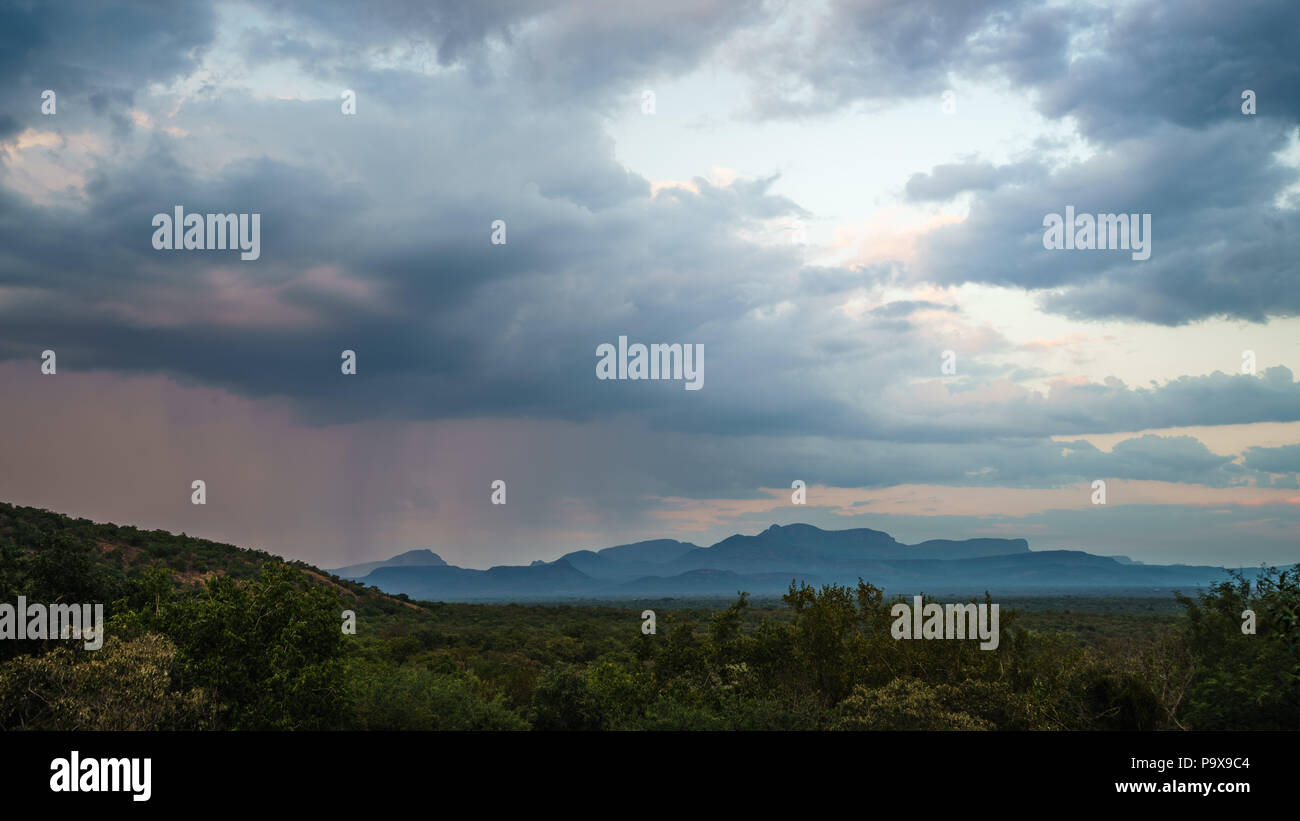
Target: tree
point(563, 701)
point(1244, 682)
point(826, 626)
point(63, 569)
point(271, 648)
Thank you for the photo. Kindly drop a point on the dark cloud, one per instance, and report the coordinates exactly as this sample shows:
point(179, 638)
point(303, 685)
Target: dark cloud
point(860, 50)
point(1219, 246)
point(1214, 399)
point(947, 181)
point(1001, 462)
point(1153, 62)
point(449, 325)
point(1162, 458)
point(1158, 91)
point(1118, 69)
point(93, 56)
point(452, 29)
point(571, 54)
point(1284, 459)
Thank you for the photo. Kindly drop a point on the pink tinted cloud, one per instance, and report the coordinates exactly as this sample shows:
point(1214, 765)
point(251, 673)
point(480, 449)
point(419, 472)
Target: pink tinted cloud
point(240, 298)
point(697, 515)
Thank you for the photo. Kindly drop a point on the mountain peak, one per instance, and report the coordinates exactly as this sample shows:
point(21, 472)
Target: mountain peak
point(420, 557)
point(797, 526)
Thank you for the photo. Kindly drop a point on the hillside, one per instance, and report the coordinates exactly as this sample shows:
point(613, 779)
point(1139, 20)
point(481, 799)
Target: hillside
point(122, 553)
point(201, 635)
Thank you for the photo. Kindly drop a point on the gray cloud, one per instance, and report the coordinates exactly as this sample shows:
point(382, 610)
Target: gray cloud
point(566, 53)
point(1157, 91)
point(868, 51)
point(93, 57)
point(1137, 65)
point(460, 327)
point(1219, 245)
point(1284, 459)
point(944, 182)
point(1185, 65)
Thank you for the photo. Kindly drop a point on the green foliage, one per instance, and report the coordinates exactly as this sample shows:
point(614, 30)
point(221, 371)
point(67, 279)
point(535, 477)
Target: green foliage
point(826, 637)
point(125, 685)
point(907, 703)
point(270, 648)
point(203, 635)
point(1245, 682)
point(64, 569)
point(389, 698)
point(564, 701)
point(623, 688)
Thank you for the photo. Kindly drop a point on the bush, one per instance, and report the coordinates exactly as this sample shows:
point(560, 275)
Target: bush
point(906, 703)
point(125, 685)
point(386, 698)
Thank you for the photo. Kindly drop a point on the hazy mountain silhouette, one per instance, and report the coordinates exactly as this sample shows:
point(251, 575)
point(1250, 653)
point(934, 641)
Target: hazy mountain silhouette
point(411, 558)
point(767, 562)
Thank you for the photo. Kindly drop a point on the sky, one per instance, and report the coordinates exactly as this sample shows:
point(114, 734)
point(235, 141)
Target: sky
point(843, 203)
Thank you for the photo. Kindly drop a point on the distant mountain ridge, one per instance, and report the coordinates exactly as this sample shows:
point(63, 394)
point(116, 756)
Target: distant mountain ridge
point(629, 560)
point(767, 562)
point(411, 558)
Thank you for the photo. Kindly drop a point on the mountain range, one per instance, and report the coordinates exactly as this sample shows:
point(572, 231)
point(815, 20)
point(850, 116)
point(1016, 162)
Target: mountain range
point(766, 564)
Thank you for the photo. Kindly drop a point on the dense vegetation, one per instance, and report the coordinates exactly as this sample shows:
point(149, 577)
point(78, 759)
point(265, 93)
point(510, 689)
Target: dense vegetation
point(203, 635)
